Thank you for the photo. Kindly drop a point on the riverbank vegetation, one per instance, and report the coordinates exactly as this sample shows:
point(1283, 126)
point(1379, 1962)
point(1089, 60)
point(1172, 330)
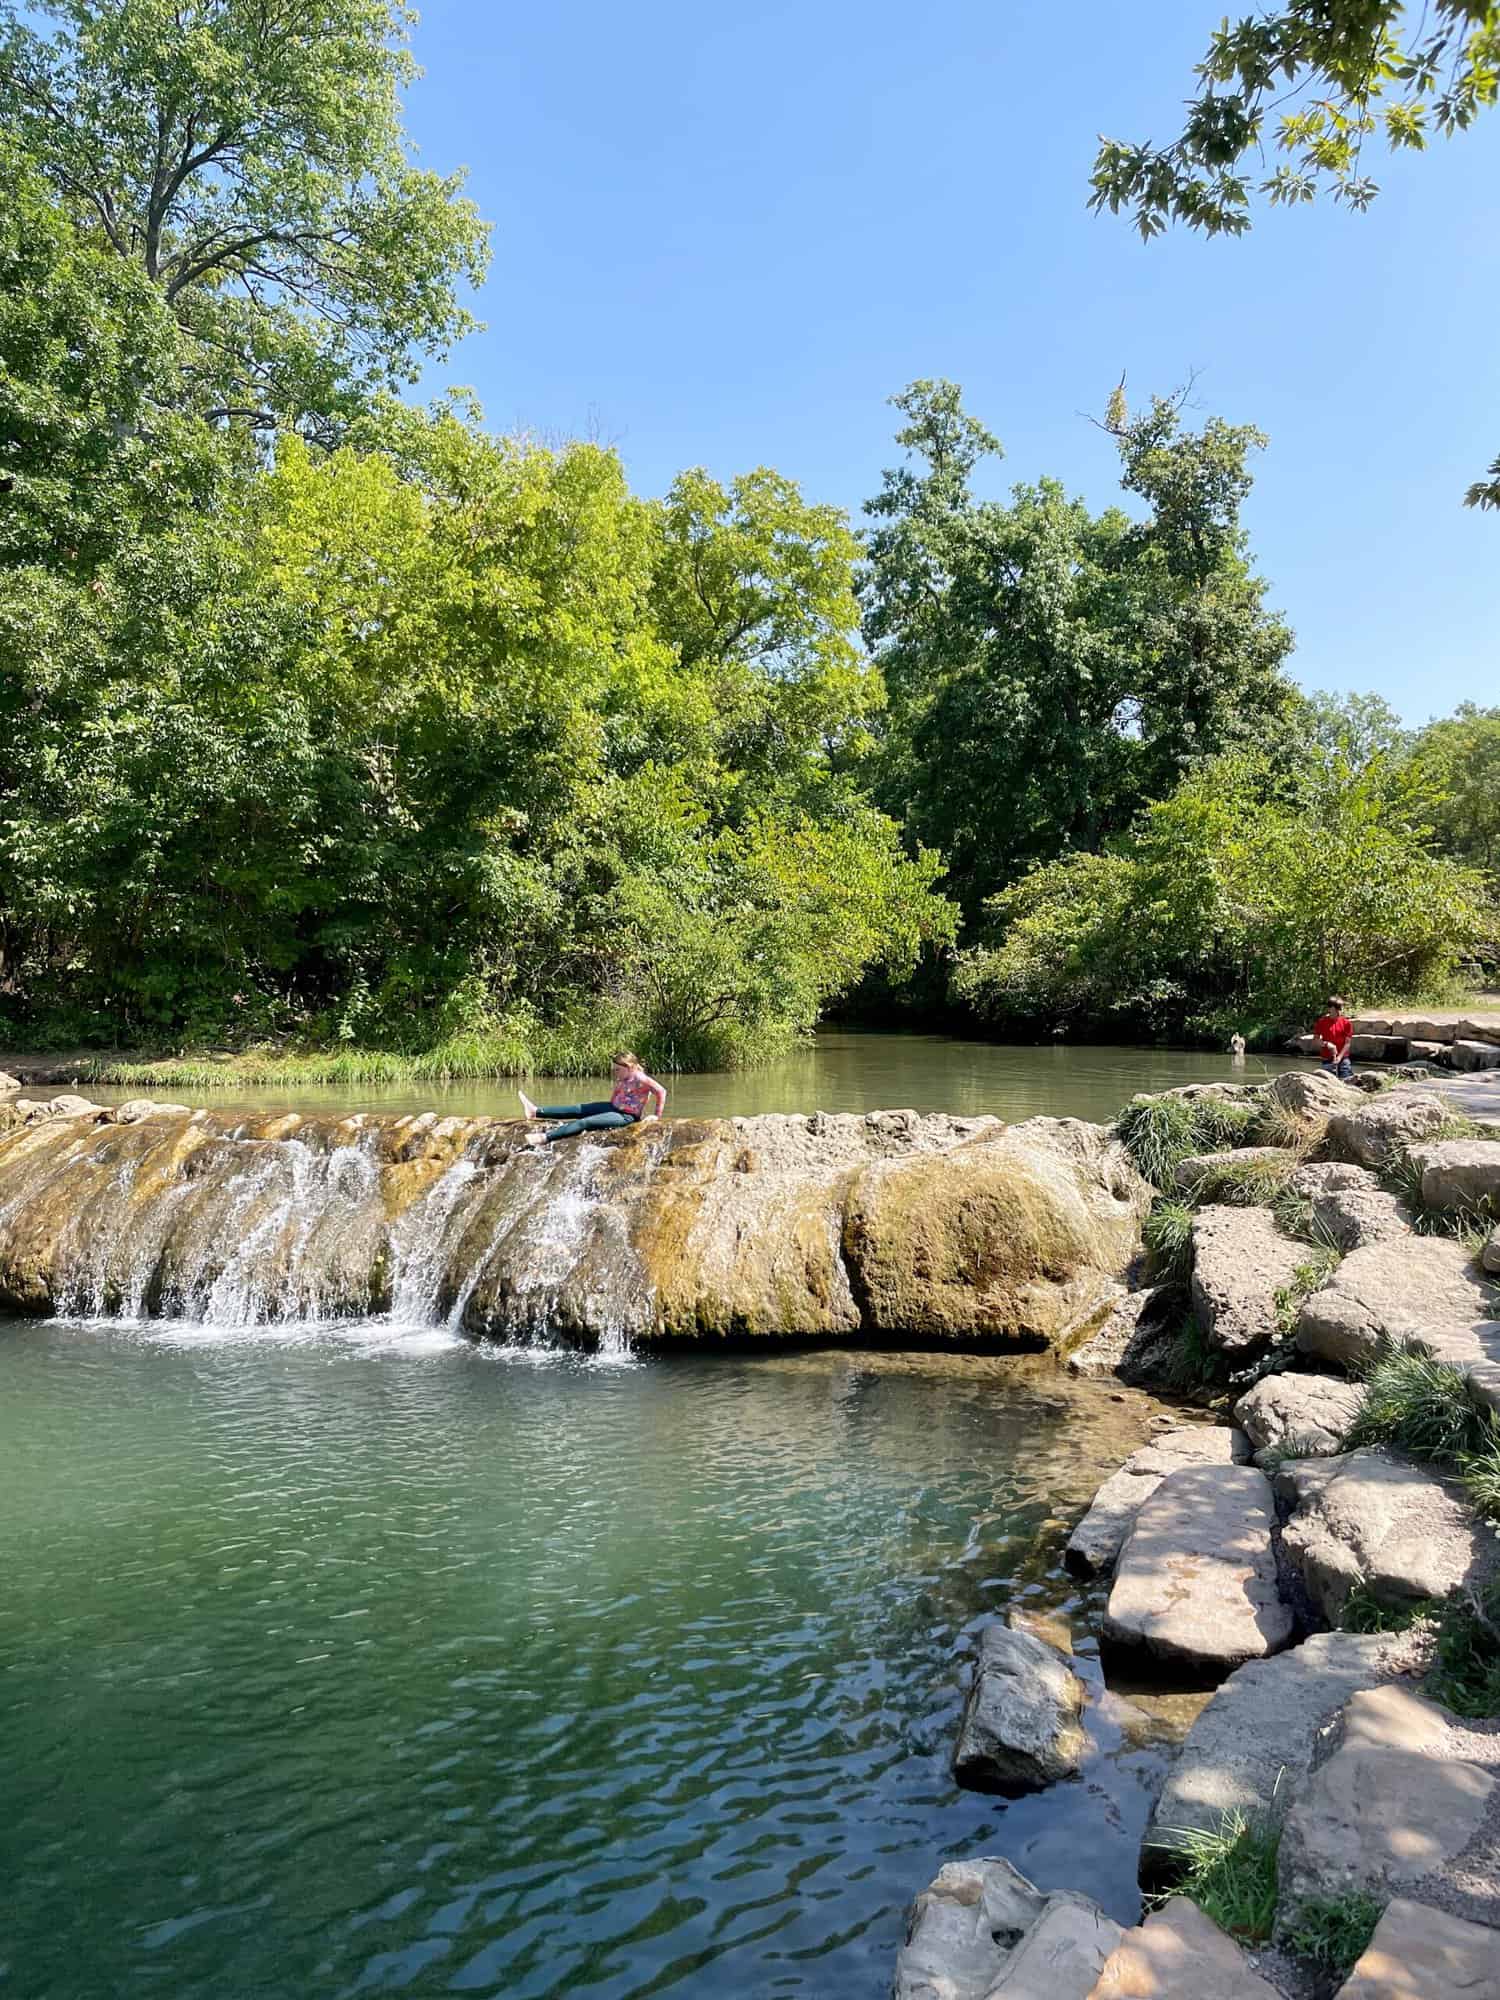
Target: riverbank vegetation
point(351, 734)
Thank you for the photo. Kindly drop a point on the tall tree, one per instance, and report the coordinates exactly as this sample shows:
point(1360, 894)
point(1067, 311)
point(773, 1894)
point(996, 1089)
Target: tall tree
point(1316, 79)
point(1050, 669)
point(248, 157)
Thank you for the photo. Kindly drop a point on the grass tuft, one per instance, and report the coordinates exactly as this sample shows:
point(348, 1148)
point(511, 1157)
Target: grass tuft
point(1465, 1673)
point(1161, 1132)
point(1365, 1612)
point(1333, 1932)
point(1192, 1363)
point(1422, 1405)
point(1230, 1873)
point(1246, 1183)
point(1168, 1236)
point(1470, 1223)
point(1480, 1472)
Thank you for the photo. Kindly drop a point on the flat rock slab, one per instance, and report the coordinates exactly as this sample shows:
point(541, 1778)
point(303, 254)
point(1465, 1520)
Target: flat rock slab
point(1020, 1728)
point(1307, 1414)
point(1353, 1217)
point(1459, 1173)
point(1393, 1804)
point(981, 1931)
point(1062, 1955)
point(1179, 1954)
point(1256, 1739)
point(1393, 1526)
point(1097, 1540)
point(1406, 1289)
point(1418, 1953)
point(1241, 1263)
point(1383, 1126)
point(1195, 1584)
point(1466, 1054)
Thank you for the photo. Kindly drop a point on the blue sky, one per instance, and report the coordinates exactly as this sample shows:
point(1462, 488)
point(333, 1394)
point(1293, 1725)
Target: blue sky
point(725, 237)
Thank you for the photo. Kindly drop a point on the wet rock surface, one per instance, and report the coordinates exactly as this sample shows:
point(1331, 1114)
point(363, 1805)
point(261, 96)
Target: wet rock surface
point(1195, 1584)
point(1020, 1728)
point(980, 1924)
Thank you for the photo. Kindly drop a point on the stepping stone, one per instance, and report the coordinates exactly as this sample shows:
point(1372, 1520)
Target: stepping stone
point(1020, 1728)
point(1393, 1804)
point(1179, 1954)
point(1474, 1055)
point(1241, 1262)
point(981, 1924)
point(1100, 1535)
point(1256, 1739)
point(1382, 1126)
point(1195, 1584)
point(1459, 1173)
point(1382, 1521)
point(1309, 1414)
point(1393, 1291)
point(1418, 1953)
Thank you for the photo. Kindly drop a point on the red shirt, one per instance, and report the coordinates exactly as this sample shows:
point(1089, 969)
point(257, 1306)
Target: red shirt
point(1337, 1029)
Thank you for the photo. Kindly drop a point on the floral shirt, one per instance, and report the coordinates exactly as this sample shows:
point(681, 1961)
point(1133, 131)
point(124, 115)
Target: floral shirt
point(633, 1094)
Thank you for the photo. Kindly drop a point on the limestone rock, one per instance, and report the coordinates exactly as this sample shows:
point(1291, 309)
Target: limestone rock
point(1130, 1321)
point(1062, 1955)
point(1179, 1954)
point(1459, 1173)
point(828, 1225)
point(1381, 1521)
point(1435, 1026)
point(1427, 1052)
point(1195, 1583)
point(1379, 1048)
point(1201, 1165)
point(1254, 1742)
point(1241, 1261)
point(1312, 1095)
point(134, 1109)
point(1490, 1256)
point(1322, 1177)
point(1020, 1728)
point(1418, 1953)
point(1393, 1803)
point(8, 1082)
point(1382, 1126)
point(1309, 1414)
point(1354, 1217)
point(1480, 1027)
point(1396, 1290)
point(1100, 1535)
point(980, 1931)
point(1467, 1055)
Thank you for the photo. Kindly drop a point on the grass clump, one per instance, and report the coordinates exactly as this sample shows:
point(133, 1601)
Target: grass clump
point(1192, 1363)
point(1471, 1222)
point(1365, 1612)
point(1480, 1472)
point(1276, 1124)
point(1160, 1133)
point(1168, 1236)
point(1246, 1183)
point(1229, 1871)
point(1310, 1276)
point(1422, 1405)
point(1333, 1932)
point(1465, 1672)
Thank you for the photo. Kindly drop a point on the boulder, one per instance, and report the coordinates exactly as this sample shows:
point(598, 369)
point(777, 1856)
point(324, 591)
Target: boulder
point(1312, 1095)
point(1489, 1257)
point(1419, 1953)
point(70, 1105)
point(1195, 1584)
point(1395, 1802)
point(1100, 1535)
point(1243, 1267)
point(1251, 1746)
point(1378, 1520)
point(1401, 1289)
point(1020, 1729)
point(980, 1924)
point(1320, 1177)
point(1459, 1173)
point(1269, 1160)
point(1179, 1954)
point(1353, 1217)
point(1426, 1052)
point(1381, 1127)
point(134, 1109)
point(1435, 1026)
point(1467, 1055)
point(1308, 1414)
point(1129, 1324)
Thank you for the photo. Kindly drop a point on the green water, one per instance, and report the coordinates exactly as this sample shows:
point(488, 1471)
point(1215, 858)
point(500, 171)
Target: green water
point(837, 1072)
point(341, 1661)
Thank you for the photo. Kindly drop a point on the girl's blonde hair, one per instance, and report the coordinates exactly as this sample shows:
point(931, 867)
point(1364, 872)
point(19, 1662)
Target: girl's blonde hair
point(626, 1056)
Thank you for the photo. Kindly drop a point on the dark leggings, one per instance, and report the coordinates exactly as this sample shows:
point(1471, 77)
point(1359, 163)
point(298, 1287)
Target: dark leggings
point(601, 1117)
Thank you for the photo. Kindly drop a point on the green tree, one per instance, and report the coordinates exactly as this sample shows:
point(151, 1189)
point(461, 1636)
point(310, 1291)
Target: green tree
point(249, 159)
point(1050, 669)
point(1460, 757)
point(1315, 79)
point(1356, 727)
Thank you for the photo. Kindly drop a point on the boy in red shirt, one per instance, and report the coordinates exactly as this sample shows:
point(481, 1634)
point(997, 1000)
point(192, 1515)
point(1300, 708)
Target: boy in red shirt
point(1334, 1032)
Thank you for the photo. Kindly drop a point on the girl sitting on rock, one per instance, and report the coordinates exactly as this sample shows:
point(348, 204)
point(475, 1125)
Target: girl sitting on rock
point(626, 1105)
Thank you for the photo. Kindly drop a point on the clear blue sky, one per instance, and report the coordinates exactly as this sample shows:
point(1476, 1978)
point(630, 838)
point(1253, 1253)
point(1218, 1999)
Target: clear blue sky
point(725, 238)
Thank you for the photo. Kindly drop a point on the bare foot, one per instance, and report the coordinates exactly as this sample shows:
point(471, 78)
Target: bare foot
point(526, 1104)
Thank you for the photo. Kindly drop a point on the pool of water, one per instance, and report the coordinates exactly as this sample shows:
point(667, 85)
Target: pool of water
point(835, 1072)
point(342, 1661)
